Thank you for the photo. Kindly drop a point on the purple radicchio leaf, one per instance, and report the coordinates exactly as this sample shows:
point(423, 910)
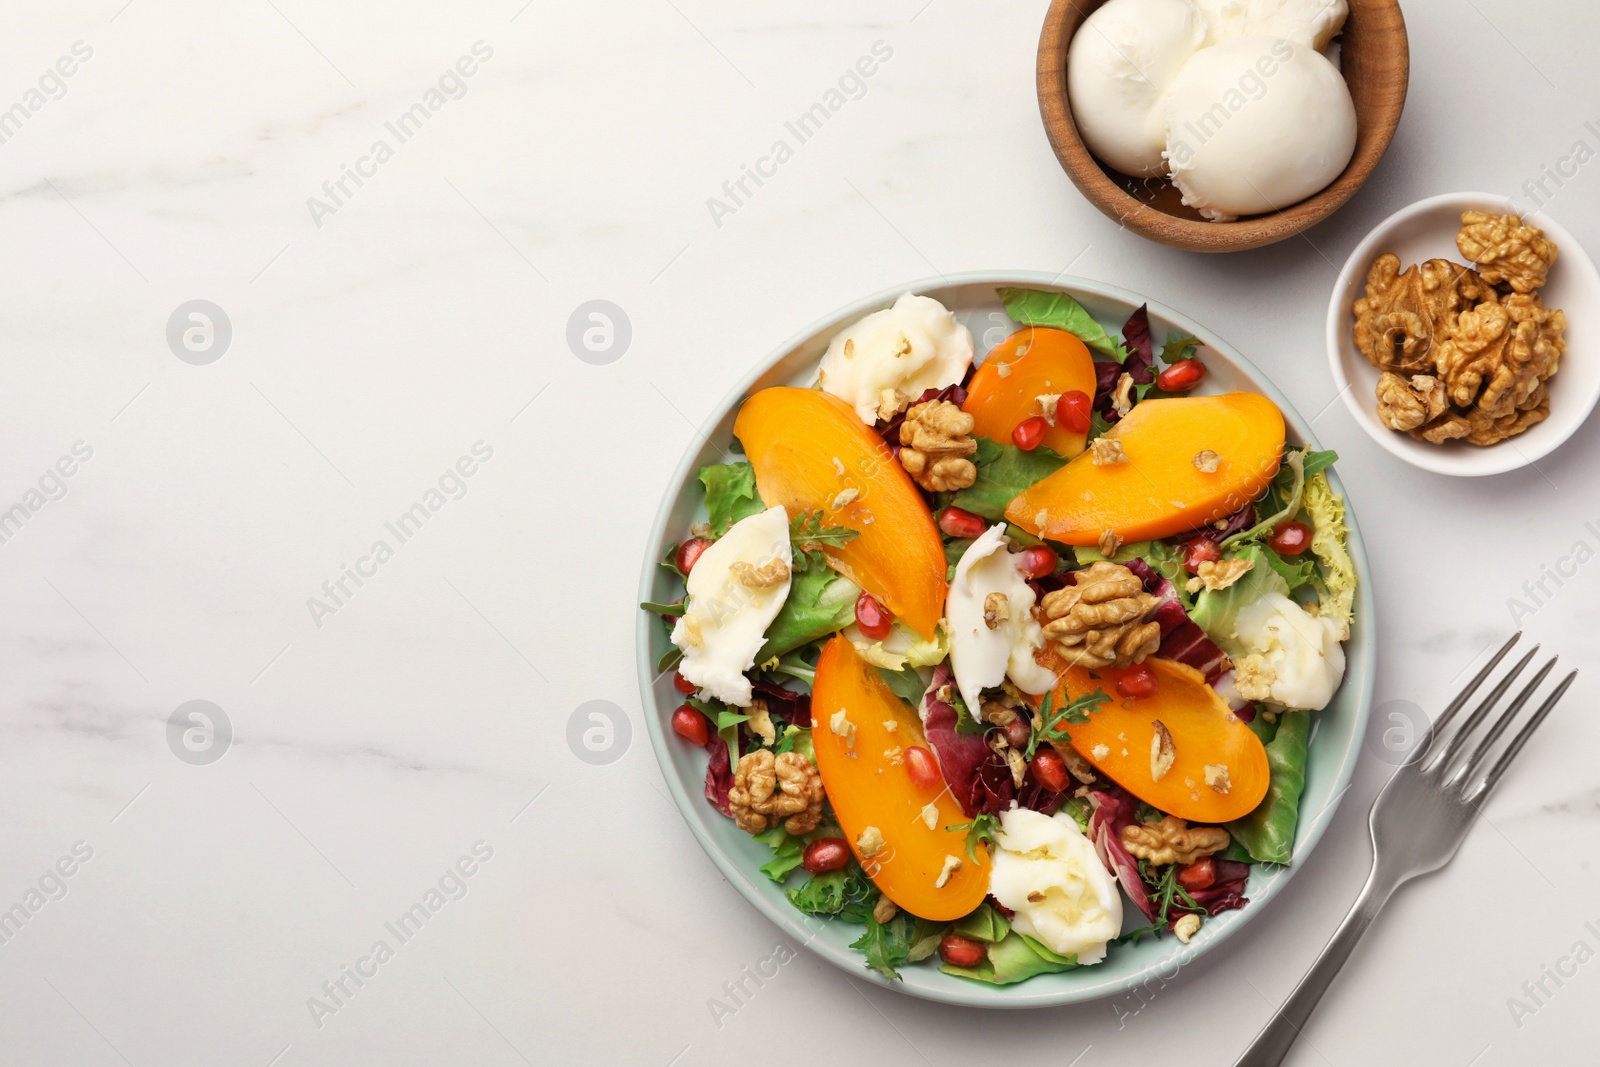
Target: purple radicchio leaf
point(960, 756)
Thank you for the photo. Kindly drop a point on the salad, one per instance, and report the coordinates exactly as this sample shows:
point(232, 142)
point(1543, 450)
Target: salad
point(1009, 661)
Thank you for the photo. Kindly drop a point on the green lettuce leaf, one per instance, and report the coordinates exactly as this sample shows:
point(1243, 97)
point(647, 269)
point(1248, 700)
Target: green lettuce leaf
point(1031, 307)
point(1215, 610)
point(1015, 958)
point(1326, 512)
point(787, 852)
point(820, 602)
point(1003, 472)
point(904, 648)
point(1267, 833)
point(730, 494)
point(983, 924)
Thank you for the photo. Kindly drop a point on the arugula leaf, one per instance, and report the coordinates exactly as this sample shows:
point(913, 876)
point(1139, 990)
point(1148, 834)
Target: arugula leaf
point(730, 494)
point(663, 609)
point(1178, 346)
point(820, 602)
point(906, 684)
point(981, 830)
point(787, 852)
point(809, 537)
point(1004, 471)
point(1052, 724)
point(669, 659)
point(1319, 461)
point(1168, 892)
point(1031, 307)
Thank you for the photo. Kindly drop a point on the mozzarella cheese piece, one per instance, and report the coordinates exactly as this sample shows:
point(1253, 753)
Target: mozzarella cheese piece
point(1309, 22)
point(1120, 62)
point(982, 657)
point(1256, 124)
point(1045, 870)
point(888, 359)
point(1303, 650)
point(725, 620)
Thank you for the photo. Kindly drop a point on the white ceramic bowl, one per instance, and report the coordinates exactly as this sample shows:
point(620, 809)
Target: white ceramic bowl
point(1427, 230)
point(1336, 738)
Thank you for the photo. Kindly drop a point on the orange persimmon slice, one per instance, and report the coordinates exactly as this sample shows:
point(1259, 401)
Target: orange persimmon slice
point(1038, 361)
point(811, 452)
point(1167, 485)
point(864, 771)
point(1205, 733)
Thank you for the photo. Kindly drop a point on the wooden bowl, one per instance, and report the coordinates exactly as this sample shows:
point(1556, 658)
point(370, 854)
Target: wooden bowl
point(1375, 58)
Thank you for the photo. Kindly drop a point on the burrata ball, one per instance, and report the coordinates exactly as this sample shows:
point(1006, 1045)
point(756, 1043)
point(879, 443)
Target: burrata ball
point(1121, 59)
point(1255, 125)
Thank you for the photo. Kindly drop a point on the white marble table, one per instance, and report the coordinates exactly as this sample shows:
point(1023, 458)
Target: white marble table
point(384, 332)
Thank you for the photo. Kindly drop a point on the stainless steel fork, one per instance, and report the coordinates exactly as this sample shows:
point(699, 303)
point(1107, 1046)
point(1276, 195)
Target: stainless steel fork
point(1418, 821)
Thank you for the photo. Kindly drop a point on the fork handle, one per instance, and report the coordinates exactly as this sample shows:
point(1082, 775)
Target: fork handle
point(1273, 1042)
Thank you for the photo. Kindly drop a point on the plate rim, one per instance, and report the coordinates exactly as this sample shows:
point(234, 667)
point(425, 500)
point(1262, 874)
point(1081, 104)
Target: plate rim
point(794, 923)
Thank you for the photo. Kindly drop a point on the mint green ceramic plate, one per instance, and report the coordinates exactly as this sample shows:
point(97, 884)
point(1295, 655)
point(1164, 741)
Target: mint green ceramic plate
point(1335, 741)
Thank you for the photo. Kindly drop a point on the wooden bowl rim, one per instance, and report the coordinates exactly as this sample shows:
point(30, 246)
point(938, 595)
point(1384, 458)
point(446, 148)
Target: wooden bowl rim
point(1197, 235)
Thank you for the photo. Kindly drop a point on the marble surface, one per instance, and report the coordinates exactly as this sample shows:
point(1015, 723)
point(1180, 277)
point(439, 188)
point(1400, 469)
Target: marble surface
point(405, 740)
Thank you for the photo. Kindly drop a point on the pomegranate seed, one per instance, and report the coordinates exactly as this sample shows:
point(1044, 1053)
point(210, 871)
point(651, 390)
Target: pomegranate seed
point(682, 684)
point(1029, 433)
point(957, 523)
point(690, 725)
point(825, 854)
point(1050, 770)
point(1037, 561)
point(690, 551)
point(1290, 538)
point(960, 951)
point(1200, 550)
point(873, 618)
point(923, 768)
point(1181, 376)
point(1017, 732)
point(1072, 411)
point(1201, 874)
point(1138, 683)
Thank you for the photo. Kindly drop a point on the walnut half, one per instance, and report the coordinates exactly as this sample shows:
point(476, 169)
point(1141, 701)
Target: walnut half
point(1506, 249)
point(1172, 841)
point(770, 789)
point(1406, 403)
point(1103, 620)
point(936, 440)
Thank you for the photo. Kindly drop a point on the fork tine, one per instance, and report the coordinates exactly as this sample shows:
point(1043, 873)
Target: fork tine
point(1472, 686)
point(1481, 755)
point(1526, 732)
point(1459, 739)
